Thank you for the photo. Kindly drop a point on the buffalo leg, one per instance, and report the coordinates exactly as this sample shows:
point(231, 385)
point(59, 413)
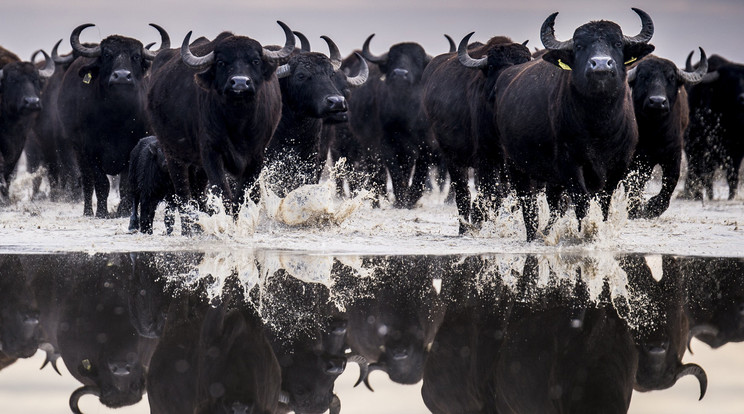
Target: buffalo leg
point(459, 176)
point(732, 174)
point(419, 180)
point(170, 213)
point(639, 174)
point(180, 177)
point(134, 218)
point(660, 202)
point(527, 200)
point(147, 214)
point(102, 186)
point(125, 194)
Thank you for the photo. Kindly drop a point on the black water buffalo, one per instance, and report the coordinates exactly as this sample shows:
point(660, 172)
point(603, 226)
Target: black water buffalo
point(20, 90)
point(715, 303)
point(19, 311)
point(217, 112)
point(573, 130)
point(660, 103)
point(311, 93)
point(150, 183)
point(389, 122)
point(713, 138)
point(662, 337)
point(458, 100)
point(102, 110)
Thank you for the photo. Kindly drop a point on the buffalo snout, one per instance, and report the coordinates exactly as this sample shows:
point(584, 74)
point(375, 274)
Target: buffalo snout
point(335, 365)
point(121, 77)
point(400, 73)
point(240, 84)
point(120, 369)
point(32, 103)
point(601, 65)
point(657, 102)
point(336, 103)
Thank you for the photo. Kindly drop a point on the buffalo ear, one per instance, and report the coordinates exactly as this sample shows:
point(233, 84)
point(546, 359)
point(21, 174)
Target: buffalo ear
point(633, 52)
point(205, 79)
point(89, 72)
point(269, 67)
point(556, 57)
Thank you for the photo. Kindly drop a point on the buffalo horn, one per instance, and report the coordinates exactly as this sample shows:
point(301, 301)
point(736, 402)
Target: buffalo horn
point(696, 76)
point(688, 62)
point(304, 43)
point(632, 74)
point(91, 52)
point(48, 70)
point(647, 29)
point(704, 329)
point(363, 367)
point(697, 371)
point(547, 35)
point(372, 368)
point(334, 54)
point(283, 71)
point(288, 45)
point(59, 59)
point(194, 62)
point(149, 45)
point(34, 55)
point(710, 77)
point(51, 356)
point(164, 43)
point(452, 46)
point(362, 76)
point(369, 56)
point(78, 393)
point(464, 57)
point(284, 397)
point(335, 407)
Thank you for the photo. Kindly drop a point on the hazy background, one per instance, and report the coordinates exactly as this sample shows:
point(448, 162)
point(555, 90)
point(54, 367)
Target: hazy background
point(681, 25)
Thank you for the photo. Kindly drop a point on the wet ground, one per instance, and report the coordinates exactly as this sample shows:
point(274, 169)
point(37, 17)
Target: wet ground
point(270, 315)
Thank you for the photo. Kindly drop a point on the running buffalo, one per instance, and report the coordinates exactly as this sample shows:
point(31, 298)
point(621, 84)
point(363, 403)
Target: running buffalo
point(458, 100)
point(660, 103)
point(389, 121)
point(572, 130)
point(20, 89)
point(215, 112)
point(101, 104)
point(150, 184)
point(716, 126)
point(310, 93)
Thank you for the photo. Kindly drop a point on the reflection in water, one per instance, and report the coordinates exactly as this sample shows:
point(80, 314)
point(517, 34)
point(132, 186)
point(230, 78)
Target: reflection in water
point(270, 332)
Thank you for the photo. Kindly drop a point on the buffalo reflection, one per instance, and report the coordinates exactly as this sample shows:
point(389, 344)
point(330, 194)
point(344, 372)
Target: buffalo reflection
point(271, 332)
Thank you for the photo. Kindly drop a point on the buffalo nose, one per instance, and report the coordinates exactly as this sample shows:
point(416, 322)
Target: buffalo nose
point(240, 83)
point(336, 103)
point(400, 353)
point(401, 73)
point(601, 64)
point(31, 102)
point(657, 102)
point(740, 99)
point(336, 366)
point(120, 369)
point(121, 77)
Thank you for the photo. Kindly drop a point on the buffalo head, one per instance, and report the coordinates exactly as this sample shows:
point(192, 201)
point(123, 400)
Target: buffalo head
point(20, 86)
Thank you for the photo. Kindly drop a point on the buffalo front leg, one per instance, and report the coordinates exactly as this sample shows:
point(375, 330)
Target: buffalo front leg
point(102, 187)
point(638, 175)
point(179, 173)
point(660, 202)
point(527, 200)
point(125, 193)
point(459, 177)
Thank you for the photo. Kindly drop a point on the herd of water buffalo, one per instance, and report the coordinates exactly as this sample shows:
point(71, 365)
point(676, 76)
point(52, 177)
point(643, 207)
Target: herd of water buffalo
point(536, 336)
point(575, 119)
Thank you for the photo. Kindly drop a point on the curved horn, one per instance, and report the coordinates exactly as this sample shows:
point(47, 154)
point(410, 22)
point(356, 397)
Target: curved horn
point(452, 46)
point(704, 329)
point(164, 43)
point(362, 76)
point(647, 29)
point(632, 74)
point(334, 54)
point(48, 70)
point(149, 45)
point(525, 42)
point(698, 372)
point(369, 56)
point(696, 76)
point(283, 71)
point(78, 393)
point(335, 407)
point(688, 62)
point(57, 58)
point(194, 62)
point(288, 45)
point(90, 52)
point(34, 55)
point(547, 35)
point(363, 367)
point(372, 368)
point(464, 57)
point(284, 397)
point(304, 43)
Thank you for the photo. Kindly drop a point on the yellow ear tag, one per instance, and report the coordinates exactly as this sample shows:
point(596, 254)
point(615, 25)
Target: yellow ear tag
point(631, 61)
point(563, 65)
point(87, 78)
point(86, 365)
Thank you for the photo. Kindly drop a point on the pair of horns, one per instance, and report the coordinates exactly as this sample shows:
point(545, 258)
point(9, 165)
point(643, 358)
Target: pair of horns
point(689, 75)
point(44, 73)
point(93, 52)
point(547, 32)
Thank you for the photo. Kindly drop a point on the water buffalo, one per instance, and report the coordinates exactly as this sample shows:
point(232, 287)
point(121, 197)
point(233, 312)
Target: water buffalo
point(150, 184)
point(389, 122)
point(102, 110)
point(216, 112)
point(20, 89)
point(573, 130)
point(713, 138)
point(660, 103)
point(311, 93)
point(458, 100)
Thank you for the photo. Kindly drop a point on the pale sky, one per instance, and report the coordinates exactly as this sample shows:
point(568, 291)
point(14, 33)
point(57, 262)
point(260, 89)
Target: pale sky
point(681, 25)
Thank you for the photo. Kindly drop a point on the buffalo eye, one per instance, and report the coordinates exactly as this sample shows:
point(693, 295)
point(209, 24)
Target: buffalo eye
point(333, 75)
point(256, 62)
point(578, 47)
point(300, 76)
point(221, 63)
point(136, 58)
point(619, 44)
